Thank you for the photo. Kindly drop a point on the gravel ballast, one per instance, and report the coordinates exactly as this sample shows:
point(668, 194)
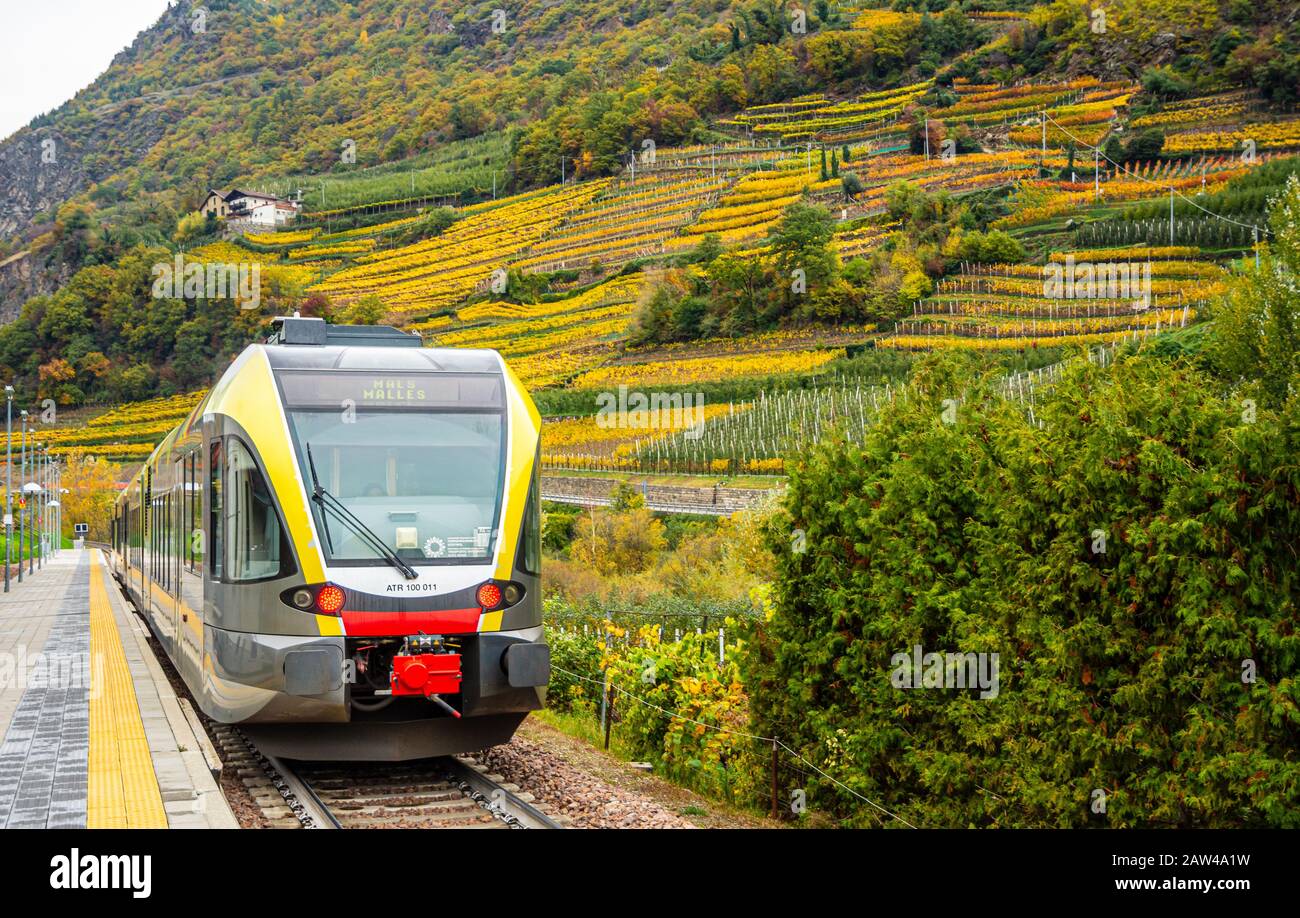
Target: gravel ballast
point(567, 791)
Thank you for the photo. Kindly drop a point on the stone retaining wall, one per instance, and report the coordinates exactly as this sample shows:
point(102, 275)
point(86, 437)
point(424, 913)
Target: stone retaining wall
point(674, 498)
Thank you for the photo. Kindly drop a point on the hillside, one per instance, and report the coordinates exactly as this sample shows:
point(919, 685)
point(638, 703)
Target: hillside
point(949, 151)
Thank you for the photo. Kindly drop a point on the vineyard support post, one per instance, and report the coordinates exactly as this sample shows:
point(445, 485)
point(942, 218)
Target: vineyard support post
point(604, 702)
point(774, 770)
point(609, 711)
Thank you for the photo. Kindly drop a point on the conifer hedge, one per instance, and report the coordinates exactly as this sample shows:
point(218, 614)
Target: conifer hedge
point(1130, 554)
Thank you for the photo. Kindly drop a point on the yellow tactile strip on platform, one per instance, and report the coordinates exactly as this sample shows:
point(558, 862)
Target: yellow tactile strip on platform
point(122, 789)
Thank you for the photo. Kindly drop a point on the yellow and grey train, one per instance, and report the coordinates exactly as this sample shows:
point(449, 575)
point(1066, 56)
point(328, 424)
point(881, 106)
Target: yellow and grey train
point(340, 547)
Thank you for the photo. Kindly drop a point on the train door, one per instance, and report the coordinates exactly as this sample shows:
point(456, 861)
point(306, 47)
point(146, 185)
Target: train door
point(168, 596)
point(146, 533)
point(176, 519)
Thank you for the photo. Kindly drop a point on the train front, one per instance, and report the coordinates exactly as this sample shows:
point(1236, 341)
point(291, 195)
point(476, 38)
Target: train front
point(418, 470)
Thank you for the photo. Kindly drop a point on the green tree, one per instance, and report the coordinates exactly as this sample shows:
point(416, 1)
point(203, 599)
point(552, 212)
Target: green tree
point(742, 287)
point(1256, 339)
point(367, 310)
point(709, 248)
point(993, 247)
point(801, 241)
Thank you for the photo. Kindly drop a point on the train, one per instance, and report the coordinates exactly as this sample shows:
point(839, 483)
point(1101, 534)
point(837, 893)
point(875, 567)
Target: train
point(339, 549)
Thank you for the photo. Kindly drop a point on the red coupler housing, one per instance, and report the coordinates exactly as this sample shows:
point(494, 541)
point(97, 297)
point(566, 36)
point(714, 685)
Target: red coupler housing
point(426, 674)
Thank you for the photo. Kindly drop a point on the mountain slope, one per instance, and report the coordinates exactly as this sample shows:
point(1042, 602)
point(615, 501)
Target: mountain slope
point(255, 89)
point(385, 112)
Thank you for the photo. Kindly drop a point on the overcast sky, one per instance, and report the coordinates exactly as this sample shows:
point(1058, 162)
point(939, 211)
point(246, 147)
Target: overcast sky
point(52, 48)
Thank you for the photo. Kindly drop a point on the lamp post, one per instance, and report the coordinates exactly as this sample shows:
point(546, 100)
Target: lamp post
point(35, 504)
point(42, 470)
point(47, 494)
point(9, 479)
point(56, 506)
point(38, 526)
point(22, 516)
point(56, 500)
point(59, 516)
point(45, 503)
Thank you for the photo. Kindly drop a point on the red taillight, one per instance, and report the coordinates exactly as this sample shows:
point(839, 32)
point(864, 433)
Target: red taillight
point(489, 596)
point(330, 599)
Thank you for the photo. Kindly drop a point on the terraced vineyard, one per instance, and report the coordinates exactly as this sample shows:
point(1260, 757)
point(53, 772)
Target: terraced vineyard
point(1043, 200)
point(870, 116)
point(754, 204)
point(1083, 100)
point(455, 168)
point(277, 275)
point(128, 433)
point(673, 199)
point(420, 279)
point(1013, 307)
point(637, 218)
point(548, 342)
point(955, 175)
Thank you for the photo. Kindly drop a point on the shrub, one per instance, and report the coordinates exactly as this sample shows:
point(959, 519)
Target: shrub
point(557, 529)
point(579, 654)
point(1164, 84)
point(1121, 666)
point(993, 247)
point(685, 677)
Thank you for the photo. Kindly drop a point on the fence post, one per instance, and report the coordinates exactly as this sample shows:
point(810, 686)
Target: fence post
point(609, 718)
point(774, 769)
point(604, 707)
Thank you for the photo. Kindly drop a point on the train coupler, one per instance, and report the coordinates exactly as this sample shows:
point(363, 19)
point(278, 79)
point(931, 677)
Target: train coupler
point(422, 669)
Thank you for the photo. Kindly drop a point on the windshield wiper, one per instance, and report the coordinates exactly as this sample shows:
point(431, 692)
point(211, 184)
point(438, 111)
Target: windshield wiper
point(316, 493)
point(328, 501)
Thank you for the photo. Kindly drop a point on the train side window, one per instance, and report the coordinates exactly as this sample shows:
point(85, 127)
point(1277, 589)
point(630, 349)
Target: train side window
point(169, 552)
point(216, 456)
point(531, 536)
point(254, 540)
point(194, 514)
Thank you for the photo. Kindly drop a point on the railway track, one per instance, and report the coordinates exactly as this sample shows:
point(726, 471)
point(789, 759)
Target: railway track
point(449, 792)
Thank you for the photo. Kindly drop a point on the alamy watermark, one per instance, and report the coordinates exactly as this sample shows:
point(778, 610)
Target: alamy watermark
point(635, 410)
point(945, 670)
point(1083, 280)
point(54, 671)
point(178, 280)
point(75, 870)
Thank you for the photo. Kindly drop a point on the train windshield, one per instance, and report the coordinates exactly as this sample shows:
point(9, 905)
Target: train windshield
point(418, 459)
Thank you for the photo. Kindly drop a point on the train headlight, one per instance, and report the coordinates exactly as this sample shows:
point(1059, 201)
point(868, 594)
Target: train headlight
point(489, 596)
point(330, 599)
point(303, 599)
point(513, 593)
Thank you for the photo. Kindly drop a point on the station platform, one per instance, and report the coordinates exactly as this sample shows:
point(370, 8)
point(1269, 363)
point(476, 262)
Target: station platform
point(93, 734)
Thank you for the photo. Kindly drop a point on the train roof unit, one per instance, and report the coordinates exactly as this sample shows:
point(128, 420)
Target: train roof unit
point(307, 331)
